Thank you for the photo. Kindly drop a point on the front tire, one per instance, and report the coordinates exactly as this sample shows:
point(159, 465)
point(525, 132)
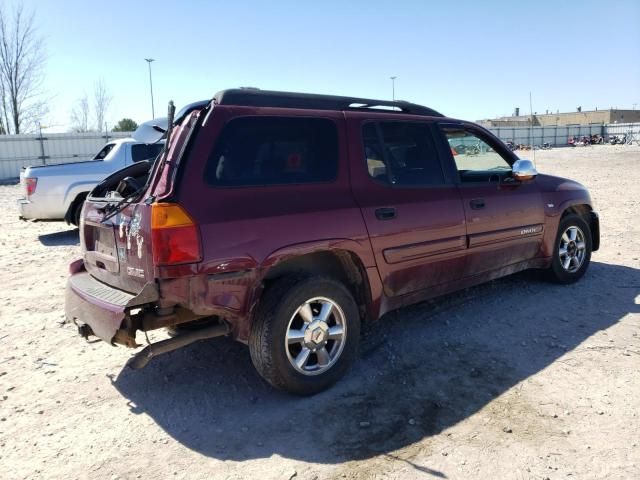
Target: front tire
point(305, 334)
point(572, 251)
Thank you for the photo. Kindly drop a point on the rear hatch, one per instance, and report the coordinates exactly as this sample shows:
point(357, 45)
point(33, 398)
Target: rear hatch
point(117, 251)
point(117, 243)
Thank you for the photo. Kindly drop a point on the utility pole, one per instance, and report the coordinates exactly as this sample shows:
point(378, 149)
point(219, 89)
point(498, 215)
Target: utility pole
point(531, 140)
point(393, 88)
point(149, 60)
point(42, 156)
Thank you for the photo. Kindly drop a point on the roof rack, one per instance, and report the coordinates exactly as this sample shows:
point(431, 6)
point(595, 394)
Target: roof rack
point(253, 97)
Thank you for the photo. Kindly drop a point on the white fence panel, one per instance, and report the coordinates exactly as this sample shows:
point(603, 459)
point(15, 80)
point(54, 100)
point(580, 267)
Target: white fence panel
point(630, 131)
point(17, 151)
point(558, 136)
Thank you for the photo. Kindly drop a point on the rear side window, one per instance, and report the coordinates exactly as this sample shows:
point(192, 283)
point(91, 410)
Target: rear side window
point(104, 152)
point(274, 150)
point(141, 151)
point(401, 153)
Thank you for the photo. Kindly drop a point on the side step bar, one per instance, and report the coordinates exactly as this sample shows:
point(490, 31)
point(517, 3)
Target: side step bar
point(143, 357)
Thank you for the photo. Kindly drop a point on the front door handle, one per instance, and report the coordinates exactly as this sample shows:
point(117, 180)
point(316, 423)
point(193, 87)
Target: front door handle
point(477, 203)
point(386, 213)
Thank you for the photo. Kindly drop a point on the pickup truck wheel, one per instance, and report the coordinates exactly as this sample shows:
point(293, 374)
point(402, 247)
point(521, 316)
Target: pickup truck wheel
point(572, 252)
point(77, 210)
point(305, 334)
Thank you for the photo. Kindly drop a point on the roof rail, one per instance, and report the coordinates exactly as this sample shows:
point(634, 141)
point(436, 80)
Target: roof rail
point(253, 97)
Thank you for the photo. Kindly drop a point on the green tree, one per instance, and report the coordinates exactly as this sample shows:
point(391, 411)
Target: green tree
point(125, 125)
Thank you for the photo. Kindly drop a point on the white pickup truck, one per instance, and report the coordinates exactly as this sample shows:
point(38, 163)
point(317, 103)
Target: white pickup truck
point(56, 192)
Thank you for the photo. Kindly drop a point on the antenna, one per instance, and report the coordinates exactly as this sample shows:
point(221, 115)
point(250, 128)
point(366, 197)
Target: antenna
point(531, 129)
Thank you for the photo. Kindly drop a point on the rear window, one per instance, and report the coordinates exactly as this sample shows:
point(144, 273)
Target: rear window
point(143, 151)
point(274, 150)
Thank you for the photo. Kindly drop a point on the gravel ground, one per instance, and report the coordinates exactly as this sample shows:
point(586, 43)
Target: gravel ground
point(513, 379)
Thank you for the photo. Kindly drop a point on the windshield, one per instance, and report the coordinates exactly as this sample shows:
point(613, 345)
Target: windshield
point(104, 152)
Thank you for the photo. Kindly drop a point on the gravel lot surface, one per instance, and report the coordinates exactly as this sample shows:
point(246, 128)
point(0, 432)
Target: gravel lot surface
point(517, 378)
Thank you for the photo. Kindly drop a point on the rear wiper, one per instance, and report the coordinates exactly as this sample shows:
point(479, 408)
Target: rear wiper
point(112, 209)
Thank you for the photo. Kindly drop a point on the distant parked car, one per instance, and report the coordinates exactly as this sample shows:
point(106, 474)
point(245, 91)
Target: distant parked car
point(56, 192)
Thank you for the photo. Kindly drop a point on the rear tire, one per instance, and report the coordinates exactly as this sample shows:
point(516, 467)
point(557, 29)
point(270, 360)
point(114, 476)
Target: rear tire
point(305, 334)
point(76, 209)
point(572, 250)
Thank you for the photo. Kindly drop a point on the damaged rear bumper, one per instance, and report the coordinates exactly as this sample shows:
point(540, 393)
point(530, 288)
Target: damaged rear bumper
point(99, 309)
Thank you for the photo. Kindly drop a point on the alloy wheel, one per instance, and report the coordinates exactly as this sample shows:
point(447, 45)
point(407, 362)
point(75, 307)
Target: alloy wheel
point(316, 336)
point(572, 249)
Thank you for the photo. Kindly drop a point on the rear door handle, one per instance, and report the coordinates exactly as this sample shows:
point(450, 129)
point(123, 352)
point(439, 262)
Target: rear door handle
point(386, 213)
point(477, 203)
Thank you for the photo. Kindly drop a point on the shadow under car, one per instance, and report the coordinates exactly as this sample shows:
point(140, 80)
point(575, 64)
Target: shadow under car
point(421, 370)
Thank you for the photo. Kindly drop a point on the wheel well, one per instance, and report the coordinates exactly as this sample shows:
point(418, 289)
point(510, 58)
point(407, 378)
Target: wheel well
point(69, 216)
point(586, 213)
point(581, 210)
point(340, 265)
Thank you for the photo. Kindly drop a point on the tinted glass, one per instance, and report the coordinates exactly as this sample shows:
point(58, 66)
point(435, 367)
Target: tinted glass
point(141, 151)
point(472, 154)
point(271, 150)
point(401, 153)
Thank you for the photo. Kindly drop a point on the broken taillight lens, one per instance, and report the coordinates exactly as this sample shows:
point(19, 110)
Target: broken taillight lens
point(174, 235)
point(30, 185)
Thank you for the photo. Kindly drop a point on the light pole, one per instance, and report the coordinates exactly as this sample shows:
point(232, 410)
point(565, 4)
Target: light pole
point(393, 88)
point(149, 60)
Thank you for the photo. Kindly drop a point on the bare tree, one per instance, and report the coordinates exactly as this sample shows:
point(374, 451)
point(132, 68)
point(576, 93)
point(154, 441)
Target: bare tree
point(80, 115)
point(22, 61)
point(3, 116)
point(101, 101)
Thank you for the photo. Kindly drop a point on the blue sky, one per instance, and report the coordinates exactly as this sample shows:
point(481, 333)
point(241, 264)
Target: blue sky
point(467, 59)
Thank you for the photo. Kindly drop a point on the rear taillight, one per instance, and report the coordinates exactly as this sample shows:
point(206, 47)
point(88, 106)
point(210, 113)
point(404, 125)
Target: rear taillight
point(30, 184)
point(174, 235)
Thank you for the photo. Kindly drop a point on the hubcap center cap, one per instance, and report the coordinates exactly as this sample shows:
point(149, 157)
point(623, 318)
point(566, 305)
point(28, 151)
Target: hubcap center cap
point(316, 334)
point(572, 248)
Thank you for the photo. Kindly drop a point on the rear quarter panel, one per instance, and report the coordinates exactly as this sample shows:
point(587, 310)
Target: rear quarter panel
point(244, 230)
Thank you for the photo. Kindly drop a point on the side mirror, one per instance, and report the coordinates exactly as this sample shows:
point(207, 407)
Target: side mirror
point(524, 170)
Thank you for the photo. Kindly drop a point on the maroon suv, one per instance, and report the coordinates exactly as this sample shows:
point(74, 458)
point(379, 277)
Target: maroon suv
point(286, 220)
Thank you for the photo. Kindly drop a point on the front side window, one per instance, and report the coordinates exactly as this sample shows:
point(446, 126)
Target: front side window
point(401, 153)
point(274, 150)
point(143, 151)
point(474, 158)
